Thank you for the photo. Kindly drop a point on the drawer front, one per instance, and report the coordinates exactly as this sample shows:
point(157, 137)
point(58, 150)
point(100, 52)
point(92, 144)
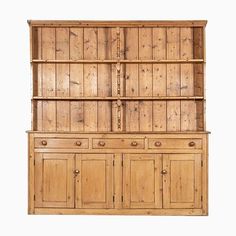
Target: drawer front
point(61, 143)
point(172, 143)
point(117, 143)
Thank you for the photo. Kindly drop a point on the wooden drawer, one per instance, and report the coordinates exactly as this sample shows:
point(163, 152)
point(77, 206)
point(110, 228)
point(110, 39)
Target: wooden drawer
point(173, 143)
point(118, 143)
point(61, 143)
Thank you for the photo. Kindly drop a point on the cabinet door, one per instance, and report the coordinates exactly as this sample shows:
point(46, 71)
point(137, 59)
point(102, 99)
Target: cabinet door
point(142, 181)
point(54, 181)
point(94, 182)
point(182, 180)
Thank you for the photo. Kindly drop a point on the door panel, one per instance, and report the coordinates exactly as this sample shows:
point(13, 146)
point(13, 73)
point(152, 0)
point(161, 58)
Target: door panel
point(54, 180)
point(182, 182)
point(142, 181)
point(94, 183)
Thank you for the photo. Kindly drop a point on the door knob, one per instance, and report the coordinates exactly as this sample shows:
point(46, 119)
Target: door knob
point(164, 172)
point(76, 172)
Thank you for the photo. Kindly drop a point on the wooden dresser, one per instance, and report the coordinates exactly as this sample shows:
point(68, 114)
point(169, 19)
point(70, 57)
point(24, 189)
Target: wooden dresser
point(118, 121)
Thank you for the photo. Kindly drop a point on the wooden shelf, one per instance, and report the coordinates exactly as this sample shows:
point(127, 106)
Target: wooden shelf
point(120, 61)
point(118, 98)
point(116, 132)
point(75, 61)
point(163, 61)
point(141, 23)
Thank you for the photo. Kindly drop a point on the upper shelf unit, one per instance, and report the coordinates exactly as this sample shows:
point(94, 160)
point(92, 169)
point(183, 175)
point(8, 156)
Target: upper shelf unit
point(130, 77)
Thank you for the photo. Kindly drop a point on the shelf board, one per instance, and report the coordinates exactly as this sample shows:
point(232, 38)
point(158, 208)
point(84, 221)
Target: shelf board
point(130, 23)
point(75, 61)
point(119, 98)
point(120, 61)
point(117, 132)
point(163, 61)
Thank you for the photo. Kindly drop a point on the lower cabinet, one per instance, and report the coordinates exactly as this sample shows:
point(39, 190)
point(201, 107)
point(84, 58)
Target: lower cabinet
point(162, 181)
point(149, 181)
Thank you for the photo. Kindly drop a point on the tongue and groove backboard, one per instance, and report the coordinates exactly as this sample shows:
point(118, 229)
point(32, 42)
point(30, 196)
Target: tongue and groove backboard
point(118, 77)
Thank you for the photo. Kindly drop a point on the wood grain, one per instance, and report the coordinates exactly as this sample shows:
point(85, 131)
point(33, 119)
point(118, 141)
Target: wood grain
point(104, 79)
point(49, 79)
point(159, 79)
point(62, 79)
point(131, 79)
point(173, 79)
point(76, 79)
point(90, 79)
point(145, 79)
point(188, 108)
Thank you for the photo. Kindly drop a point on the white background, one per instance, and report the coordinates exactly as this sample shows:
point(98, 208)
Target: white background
point(15, 116)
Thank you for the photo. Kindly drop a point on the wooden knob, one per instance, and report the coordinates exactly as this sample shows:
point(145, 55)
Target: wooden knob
point(101, 143)
point(157, 143)
point(164, 172)
point(78, 143)
point(134, 143)
point(76, 172)
point(191, 144)
point(44, 142)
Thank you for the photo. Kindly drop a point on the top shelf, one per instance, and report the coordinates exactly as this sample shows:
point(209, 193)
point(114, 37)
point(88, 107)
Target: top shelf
point(121, 61)
point(155, 23)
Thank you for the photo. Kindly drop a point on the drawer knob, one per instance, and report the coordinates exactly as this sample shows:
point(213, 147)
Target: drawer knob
point(101, 143)
point(134, 144)
point(157, 143)
point(78, 143)
point(44, 142)
point(164, 172)
point(191, 144)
